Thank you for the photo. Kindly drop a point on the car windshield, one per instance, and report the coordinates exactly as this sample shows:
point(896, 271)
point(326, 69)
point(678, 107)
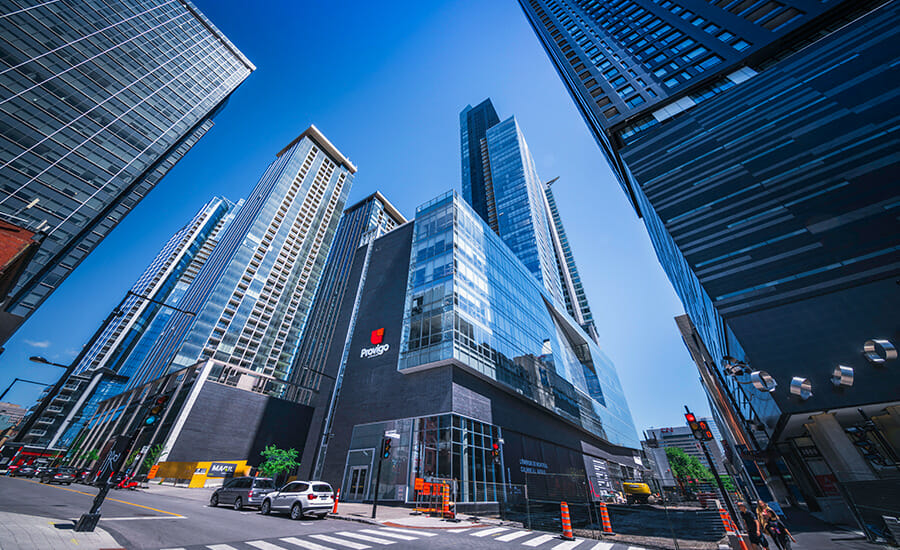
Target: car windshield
point(322, 488)
point(264, 484)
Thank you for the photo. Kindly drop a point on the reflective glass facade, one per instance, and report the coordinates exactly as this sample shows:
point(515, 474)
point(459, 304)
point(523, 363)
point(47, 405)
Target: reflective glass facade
point(472, 302)
point(97, 102)
point(252, 296)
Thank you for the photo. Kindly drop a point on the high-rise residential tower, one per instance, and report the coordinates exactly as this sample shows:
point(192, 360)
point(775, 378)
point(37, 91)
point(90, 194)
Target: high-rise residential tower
point(251, 297)
point(757, 141)
point(501, 183)
point(108, 365)
point(98, 102)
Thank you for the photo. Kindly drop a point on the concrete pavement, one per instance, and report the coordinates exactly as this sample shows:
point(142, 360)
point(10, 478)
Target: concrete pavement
point(24, 532)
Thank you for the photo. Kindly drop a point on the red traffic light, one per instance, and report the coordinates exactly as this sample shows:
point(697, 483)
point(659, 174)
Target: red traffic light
point(496, 446)
point(690, 418)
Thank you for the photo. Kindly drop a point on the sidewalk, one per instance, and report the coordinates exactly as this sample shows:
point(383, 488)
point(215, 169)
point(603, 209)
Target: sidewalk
point(38, 533)
point(400, 516)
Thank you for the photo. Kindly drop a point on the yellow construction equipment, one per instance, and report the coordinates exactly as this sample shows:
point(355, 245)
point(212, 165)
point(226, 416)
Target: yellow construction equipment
point(636, 493)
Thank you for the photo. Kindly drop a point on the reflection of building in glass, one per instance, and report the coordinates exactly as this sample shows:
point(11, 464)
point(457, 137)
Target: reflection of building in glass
point(766, 179)
point(119, 348)
point(99, 102)
point(444, 336)
point(500, 182)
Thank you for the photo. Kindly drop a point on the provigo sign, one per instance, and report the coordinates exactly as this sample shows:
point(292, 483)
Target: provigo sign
point(379, 348)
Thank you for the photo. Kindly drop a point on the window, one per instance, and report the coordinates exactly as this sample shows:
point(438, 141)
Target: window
point(725, 36)
point(709, 62)
point(671, 83)
point(626, 90)
point(741, 45)
point(635, 101)
point(618, 81)
point(698, 21)
point(712, 28)
point(611, 112)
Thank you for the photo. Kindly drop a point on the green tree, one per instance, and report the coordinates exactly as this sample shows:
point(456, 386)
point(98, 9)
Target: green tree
point(92, 455)
point(152, 456)
point(278, 461)
point(688, 471)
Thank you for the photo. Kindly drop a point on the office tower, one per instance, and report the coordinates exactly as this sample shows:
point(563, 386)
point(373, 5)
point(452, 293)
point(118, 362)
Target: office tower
point(108, 365)
point(313, 382)
point(442, 334)
point(98, 102)
point(247, 305)
point(756, 140)
point(501, 183)
point(682, 437)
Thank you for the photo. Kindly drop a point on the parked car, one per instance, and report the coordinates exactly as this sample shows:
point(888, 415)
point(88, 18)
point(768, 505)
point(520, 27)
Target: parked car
point(240, 492)
point(300, 499)
point(24, 471)
point(83, 476)
point(58, 475)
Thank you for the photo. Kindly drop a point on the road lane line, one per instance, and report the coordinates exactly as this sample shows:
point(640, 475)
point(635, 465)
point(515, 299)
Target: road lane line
point(381, 532)
point(133, 518)
point(305, 544)
point(538, 540)
point(263, 545)
point(341, 542)
point(486, 532)
point(366, 538)
point(112, 499)
point(568, 544)
point(512, 536)
point(410, 531)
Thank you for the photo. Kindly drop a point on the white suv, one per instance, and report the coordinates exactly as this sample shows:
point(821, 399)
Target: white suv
point(300, 498)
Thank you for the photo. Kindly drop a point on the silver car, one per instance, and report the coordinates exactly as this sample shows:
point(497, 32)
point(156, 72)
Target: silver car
point(240, 492)
point(300, 498)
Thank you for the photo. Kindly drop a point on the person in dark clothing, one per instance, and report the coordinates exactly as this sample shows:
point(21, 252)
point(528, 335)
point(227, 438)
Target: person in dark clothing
point(779, 533)
point(754, 532)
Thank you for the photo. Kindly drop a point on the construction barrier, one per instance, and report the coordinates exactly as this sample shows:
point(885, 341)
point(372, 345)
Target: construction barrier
point(604, 520)
point(337, 497)
point(731, 531)
point(432, 497)
point(445, 501)
point(566, 521)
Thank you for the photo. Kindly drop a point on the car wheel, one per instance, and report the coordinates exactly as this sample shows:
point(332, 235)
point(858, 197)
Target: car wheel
point(266, 508)
point(238, 504)
point(297, 511)
point(214, 500)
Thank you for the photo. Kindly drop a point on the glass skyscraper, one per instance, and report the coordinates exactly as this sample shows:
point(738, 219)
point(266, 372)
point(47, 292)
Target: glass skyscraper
point(251, 297)
point(97, 103)
point(500, 182)
point(756, 140)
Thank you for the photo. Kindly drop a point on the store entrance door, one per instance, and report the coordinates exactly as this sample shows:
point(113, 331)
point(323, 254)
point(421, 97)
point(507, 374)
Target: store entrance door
point(359, 475)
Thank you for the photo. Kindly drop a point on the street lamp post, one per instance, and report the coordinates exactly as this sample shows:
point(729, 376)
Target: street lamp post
point(9, 387)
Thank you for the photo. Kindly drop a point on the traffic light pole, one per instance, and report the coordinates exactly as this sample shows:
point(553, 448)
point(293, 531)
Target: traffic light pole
point(721, 485)
point(377, 486)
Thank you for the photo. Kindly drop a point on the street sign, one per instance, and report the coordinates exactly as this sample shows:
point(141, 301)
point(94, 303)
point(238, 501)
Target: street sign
point(393, 434)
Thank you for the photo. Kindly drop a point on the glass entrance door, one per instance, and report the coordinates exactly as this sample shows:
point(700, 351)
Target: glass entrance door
point(358, 477)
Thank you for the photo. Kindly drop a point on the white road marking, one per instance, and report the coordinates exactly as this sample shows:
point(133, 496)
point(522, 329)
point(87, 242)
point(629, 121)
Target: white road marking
point(538, 540)
point(366, 538)
point(568, 544)
point(341, 542)
point(486, 532)
point(221, 547)
point(410, 531)
point(171, 548)
point(263, 545)
point(604, 546)
point(512, 536)
point(132, 518)
point(305, 544)
point(381, 532)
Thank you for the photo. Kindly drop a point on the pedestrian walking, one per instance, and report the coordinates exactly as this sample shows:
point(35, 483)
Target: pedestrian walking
point(754, 532)
point(778, 531)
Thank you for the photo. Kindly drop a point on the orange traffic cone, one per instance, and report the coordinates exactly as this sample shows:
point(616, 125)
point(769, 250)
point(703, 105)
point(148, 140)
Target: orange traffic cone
point(566, 522)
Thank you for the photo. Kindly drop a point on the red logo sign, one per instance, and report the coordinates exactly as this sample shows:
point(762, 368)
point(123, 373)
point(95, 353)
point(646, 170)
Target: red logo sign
point(377, 336)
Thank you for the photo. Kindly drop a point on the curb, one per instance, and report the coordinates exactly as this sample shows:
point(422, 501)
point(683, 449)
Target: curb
point(357, 519)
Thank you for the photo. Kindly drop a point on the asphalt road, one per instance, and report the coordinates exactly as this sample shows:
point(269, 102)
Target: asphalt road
point(143, 520)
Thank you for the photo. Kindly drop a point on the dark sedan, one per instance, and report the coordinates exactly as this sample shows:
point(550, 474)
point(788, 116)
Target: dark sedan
point(24, 471)
point(58, 475)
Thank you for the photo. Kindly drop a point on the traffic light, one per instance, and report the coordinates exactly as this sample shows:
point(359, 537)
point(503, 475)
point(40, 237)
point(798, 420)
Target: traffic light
point(156, 410)
point(705, 433)
point(495, 453)
point(694, 426)
point(386, 447)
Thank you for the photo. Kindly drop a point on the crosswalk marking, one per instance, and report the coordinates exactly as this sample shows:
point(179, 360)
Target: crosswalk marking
point(487, 532)
point(410, 531)
point(342, 542)
point(538, 540)
point(305, 544)
point(602, 546)
point(568, 544)
point(366, 538)
point(387, 534)
point(263, 545)
point(220, 547)
point(512, 536)
point(172, 549)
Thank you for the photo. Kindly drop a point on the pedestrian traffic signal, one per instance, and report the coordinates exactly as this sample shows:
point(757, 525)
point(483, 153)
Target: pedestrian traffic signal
point(495, 453)
point(705, 433)
point(156, 410)
point(386, 447)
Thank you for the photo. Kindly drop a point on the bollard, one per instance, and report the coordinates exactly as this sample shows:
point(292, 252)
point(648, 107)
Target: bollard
point(731, 531)
point(604, 519)
point(337, 497)
point(566, 521)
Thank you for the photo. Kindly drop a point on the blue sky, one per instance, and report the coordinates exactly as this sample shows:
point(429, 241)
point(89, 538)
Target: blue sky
point(386, 82)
